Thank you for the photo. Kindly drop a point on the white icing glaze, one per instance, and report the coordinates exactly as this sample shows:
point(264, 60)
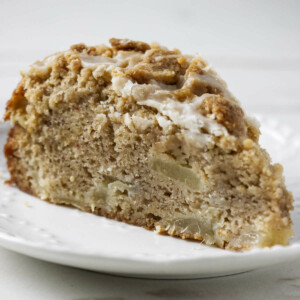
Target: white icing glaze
point(184, 114)
point(130, 57)
point(141, 123)
point(88, 61)
point(127, 58)
point(127, 120)
point(163, 122)
point(37, 68)
point(188, 117)
point(124, 87)
point(210, 80)
point(40, 67)
point(252, 121)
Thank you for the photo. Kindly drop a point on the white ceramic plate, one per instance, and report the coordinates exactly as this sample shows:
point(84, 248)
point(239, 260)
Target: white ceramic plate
point(74, 238)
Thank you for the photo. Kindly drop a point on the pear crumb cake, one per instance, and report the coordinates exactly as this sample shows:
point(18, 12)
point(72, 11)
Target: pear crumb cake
point(148, 136)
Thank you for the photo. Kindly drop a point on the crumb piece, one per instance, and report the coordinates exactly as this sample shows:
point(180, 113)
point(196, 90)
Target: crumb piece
point(160, 65)
point(128, 45)
point(225, 112)
point(248, 144)
point(79, 47)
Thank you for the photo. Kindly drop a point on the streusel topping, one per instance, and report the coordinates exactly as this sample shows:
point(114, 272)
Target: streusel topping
point(183, 88)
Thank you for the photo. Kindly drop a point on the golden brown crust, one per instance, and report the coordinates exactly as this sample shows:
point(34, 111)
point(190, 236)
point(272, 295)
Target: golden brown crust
point(17, 102)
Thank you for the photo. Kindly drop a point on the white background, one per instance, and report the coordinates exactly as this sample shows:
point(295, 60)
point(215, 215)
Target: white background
point(254, 45)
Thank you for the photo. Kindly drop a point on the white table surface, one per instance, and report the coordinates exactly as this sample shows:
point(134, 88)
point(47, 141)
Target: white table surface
point(255, 46)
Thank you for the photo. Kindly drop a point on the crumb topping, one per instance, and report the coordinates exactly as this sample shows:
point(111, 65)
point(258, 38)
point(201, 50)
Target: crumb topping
point(154, 76)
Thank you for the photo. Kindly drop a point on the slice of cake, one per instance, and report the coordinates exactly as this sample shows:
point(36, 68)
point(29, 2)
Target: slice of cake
point(148, 136)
